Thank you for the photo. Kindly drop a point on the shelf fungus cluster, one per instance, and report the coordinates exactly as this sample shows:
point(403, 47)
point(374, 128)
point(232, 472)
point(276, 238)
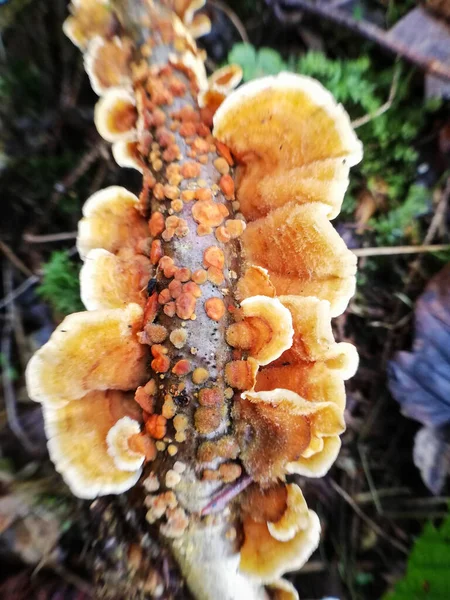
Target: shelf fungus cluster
point(204, 371)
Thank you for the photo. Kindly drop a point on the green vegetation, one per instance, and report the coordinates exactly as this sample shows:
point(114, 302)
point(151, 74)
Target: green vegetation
point(60, 284)
point(388, 139)
point(427, 571)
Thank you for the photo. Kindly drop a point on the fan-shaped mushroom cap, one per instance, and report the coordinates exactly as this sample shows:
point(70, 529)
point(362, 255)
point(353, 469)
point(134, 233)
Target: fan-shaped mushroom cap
point(200, 25)
point(319, 463)
point(254, 282)
point(89, 351)
point(220, 83)
point(126, 155)
point(318, 143)
point(267, 327)
point(295, 517)
point(313, 337)
point(117, 442)
point(315, 382)
point(107, 63)
point(266, 559)
point(76, 434)
point(111, 221)
point(110, 281)
point(277, 427)
point(89, 18)
point(282, 589)
point(299, 247)
point(115, 115)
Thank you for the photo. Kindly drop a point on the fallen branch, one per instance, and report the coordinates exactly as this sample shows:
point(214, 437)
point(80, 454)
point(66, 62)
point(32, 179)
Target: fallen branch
point(393, 250)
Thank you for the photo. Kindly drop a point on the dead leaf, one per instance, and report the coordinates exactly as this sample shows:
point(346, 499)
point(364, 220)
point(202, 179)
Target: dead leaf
point(420, 380)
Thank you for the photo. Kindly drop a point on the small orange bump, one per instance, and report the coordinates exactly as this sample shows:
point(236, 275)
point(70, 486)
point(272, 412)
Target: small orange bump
point(208, 213)
point(222, 235)
point(176, 205)
point(168, 266)
point(182, 367)
point(145, 400)
point(222, 166)
point(158, 117)
point(226, 184)
point(156, 426)
point(200, 375)
point(175, 288)
point(187, 129)
point(203, 130)
point(169, 309)
point(158, 191)
point(142, 444)
point(183, 274)
point(190, 169)
point(207, 419)
point(185, 305)
point(240, 374)
point(203, 194)
point(199, 276)
point(203, 229)
point(151, 308)
point(200, 145)
point(192, 288)
point(215, 276)
point(160, 362)
point(178, 337)
point(155, 252)
point(156, 224)
point(210, 397)
point(203, 159)
point(215, 308)
point(224, 151)
point(171, 153)
point(235, 227)
point(230, 472)
point(172, 192)
point(214, 257)
point(164, 296)
point(187, 195)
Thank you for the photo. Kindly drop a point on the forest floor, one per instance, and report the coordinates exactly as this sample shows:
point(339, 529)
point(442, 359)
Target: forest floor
point(373, 503)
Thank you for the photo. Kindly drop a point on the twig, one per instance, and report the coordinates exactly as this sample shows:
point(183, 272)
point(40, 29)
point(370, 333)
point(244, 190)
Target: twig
point(368, 474)
point(384, 107)
point(19, 291)
point(362, 515)
point(366, 497)
point(220, 500)
point(233, 18)
point(373, 33)
point(15, 259)
point(391, 250)
point(8, 388)
point(31, 238)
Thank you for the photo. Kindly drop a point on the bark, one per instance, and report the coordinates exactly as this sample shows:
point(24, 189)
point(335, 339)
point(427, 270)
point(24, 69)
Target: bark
point(132, 558)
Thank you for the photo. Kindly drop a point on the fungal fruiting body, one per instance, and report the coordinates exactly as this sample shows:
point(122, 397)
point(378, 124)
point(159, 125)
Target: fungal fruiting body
point(204, 371)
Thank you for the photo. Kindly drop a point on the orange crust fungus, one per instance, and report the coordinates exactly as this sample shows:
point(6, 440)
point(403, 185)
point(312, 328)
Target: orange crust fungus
point(205, 359)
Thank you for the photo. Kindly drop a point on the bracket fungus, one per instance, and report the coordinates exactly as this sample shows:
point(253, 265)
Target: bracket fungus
point(204, 372)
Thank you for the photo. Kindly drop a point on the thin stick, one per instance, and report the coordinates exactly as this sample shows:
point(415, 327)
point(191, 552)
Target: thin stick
point(233, 18)
point(8, 388)
point(367, 520)
point(220, 500)
point(19, 291)
point(15, 259)
point(373, 33)
point(384, 107)
point(31, 238)
point(392, 250)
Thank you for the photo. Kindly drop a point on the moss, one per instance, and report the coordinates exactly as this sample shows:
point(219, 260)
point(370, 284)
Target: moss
point(60, 284)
